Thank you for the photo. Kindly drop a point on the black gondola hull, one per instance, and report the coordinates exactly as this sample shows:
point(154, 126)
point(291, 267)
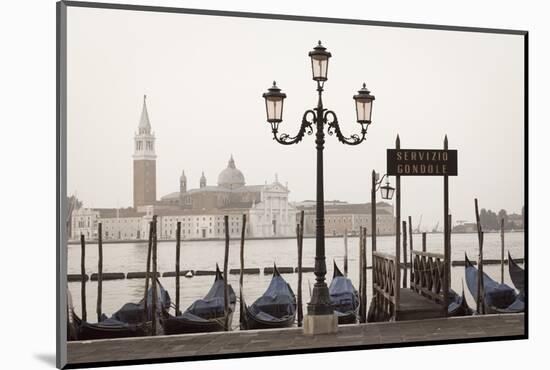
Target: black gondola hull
point(253, 322)
point(90, 331)
point(458, 306)
point(182, 325)
point(517, 274)
point(347, 317)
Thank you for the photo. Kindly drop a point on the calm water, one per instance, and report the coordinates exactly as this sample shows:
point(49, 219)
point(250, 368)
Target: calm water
point(204, 255)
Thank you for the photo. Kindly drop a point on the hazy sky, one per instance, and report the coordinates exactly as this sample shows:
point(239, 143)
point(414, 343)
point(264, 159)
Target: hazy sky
point(204, 77)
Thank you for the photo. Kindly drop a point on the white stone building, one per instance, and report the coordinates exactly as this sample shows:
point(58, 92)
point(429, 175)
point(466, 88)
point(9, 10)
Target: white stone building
point(84, 222)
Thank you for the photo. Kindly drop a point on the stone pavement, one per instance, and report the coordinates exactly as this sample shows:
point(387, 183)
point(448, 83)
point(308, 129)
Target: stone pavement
point(292, 339)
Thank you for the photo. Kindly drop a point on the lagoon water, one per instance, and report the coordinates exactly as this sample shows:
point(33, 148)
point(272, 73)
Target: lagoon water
point(203, 255)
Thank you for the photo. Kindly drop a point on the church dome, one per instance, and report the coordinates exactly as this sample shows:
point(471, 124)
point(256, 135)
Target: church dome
point(231, 177)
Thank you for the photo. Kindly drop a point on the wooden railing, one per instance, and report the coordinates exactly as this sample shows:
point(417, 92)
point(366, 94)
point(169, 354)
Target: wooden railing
point(385, 285)
point(428, 274)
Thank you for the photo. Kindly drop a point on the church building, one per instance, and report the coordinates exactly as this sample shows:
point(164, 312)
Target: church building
point(201, 209)
point(268, 211)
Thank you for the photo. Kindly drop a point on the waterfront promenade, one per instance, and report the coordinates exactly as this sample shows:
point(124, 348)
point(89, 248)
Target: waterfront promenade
point(291, 339)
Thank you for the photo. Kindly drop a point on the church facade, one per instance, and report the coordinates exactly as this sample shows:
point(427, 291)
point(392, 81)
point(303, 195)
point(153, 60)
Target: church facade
point(268, 211)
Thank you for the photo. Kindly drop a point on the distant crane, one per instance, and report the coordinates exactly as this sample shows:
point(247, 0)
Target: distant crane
point(417, 230)
point(434, 230)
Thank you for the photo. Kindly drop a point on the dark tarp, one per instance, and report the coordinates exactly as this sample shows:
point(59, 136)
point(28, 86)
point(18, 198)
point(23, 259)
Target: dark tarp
point(277, 302)
point(496, 295)
point(212, 305)
point(132, 313)
point(343, 294)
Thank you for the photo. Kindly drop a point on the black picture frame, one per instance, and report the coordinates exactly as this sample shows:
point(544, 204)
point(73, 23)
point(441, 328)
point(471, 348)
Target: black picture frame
point(61, 173)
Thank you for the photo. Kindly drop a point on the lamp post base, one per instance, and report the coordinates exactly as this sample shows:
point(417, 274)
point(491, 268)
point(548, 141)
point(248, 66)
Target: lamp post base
point(320, 324)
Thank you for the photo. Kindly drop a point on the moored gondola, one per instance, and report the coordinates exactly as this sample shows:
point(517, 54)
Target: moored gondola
point(109, 328)
point(72, 329)
point(517, 274)
point(276, 308)
point(498, 298)
point(344, 297)
point(458, 305)
point(128, 321)
point(204, 315)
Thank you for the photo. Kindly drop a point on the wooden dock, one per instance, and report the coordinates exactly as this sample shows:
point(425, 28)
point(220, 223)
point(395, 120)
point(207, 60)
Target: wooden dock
point(413, 306)
point(238, 343)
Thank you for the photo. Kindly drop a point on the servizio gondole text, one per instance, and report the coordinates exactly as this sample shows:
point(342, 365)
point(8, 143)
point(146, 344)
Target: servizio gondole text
point(418, 162)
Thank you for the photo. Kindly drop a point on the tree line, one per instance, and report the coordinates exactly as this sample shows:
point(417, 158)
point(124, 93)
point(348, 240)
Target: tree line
point(491, 220)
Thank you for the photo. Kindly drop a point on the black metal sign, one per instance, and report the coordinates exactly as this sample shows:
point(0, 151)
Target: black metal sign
point(422, 162)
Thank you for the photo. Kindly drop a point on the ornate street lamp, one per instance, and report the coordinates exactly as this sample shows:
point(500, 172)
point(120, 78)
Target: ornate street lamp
point(386, 191)
point(274, 99)
point(319, 62)
point(319, 308)
point(363, 105)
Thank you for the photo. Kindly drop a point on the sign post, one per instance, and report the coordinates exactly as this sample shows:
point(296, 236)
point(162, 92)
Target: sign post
point(446, 232)
point(397, 235)
point(424, 162)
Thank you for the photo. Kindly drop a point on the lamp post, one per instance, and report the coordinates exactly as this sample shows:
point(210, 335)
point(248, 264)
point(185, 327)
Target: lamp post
point(320, 314)
point(387, 193)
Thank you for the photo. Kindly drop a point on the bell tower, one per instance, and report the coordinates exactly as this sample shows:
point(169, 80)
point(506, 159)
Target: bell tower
point(183, 187)
point(145, 171)
point(202, 180)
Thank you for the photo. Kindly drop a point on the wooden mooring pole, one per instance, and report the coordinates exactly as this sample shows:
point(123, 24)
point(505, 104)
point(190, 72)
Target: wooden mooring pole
point(241, 272)
point(99, 270)
point(225, 275)
point(480, 283)
point(364, 276)
point(502, 251)
point(446, 238)
point(178, 247)
point(300, 236)
point(404, 254)
point(82, 275)
point(361, 273)
point(449, 246)
point(424, 249)
point(346, 252)
point(411, 249)
point(148, 273)
point(373, 230)
point(480, 307)
point(154, 284)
